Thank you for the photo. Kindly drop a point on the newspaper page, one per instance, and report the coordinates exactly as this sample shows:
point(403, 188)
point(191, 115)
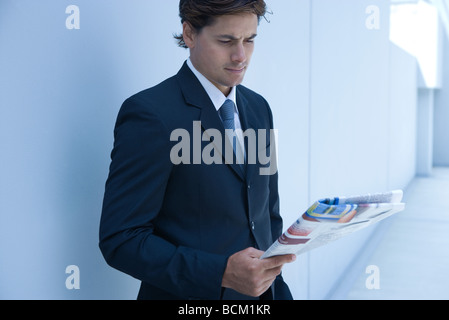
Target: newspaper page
point(332, 218)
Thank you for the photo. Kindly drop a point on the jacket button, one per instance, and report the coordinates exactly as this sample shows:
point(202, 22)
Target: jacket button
point(253, 225)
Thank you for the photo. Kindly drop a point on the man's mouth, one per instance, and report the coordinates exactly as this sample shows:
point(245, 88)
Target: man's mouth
point(236, 70)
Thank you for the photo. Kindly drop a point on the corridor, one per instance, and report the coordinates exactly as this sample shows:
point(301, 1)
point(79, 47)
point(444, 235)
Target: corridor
point(413, 255)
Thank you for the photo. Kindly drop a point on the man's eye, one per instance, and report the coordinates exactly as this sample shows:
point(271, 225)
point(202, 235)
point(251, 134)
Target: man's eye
point(225, 41)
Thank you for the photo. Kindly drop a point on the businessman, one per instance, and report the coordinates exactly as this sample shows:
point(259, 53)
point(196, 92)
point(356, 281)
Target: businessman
point(192, 229)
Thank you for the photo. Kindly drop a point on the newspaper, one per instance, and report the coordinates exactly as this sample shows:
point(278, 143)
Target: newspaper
point(330, 219)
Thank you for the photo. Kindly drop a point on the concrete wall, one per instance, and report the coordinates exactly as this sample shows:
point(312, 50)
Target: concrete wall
point(441, 113)
point(344, 102)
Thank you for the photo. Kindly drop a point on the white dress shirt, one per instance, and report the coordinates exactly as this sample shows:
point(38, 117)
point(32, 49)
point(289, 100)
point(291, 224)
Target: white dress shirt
point(218, 98)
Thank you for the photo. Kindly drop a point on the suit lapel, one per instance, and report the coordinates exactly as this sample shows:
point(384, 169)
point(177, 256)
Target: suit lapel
point(196, 96)
point(247, 121)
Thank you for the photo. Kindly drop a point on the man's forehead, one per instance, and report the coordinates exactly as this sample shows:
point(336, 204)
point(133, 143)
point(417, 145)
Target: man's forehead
point(235, 25)
point(233, 37)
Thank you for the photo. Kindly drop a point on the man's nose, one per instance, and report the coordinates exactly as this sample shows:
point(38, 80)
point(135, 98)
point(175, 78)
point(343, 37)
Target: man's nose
point(239, 53)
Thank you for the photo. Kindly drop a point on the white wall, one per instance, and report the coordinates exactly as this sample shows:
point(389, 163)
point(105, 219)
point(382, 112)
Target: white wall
point(358, 133)
point(349, 119)
point(327, 77)
point(402, 115)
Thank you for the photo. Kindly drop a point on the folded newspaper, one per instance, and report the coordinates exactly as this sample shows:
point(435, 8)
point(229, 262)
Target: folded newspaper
point(330, 219)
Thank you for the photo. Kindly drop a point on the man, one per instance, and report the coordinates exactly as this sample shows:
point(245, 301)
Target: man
point(190, 229)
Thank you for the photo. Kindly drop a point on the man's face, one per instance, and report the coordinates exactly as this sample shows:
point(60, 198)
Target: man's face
point(223, 50)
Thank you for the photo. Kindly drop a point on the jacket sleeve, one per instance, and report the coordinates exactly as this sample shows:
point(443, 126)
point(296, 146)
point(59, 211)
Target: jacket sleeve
point(134, 193)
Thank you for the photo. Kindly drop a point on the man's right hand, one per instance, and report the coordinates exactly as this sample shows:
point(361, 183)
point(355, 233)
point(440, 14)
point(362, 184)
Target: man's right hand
point(248, 274)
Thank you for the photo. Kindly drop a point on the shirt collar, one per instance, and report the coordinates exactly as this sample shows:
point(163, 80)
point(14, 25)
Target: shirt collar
point(217, 97)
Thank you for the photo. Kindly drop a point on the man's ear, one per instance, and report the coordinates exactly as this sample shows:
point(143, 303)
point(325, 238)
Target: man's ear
point(189, 34)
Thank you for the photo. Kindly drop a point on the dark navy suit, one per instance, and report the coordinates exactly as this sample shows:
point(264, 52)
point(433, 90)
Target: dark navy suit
point(174, 226)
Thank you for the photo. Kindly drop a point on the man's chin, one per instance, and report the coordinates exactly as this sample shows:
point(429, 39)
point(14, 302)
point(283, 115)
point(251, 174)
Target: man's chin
point(234, 82)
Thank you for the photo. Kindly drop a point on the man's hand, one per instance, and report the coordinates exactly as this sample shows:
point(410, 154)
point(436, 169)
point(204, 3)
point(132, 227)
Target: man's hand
point(251, 276)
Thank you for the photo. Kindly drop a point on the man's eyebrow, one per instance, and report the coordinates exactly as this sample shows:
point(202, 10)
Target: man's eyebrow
point(231, 37)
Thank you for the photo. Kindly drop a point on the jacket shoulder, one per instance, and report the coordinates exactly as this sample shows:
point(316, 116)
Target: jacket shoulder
point(158, 100)
point(160, 91)
point(253, 97)
point(248, 93)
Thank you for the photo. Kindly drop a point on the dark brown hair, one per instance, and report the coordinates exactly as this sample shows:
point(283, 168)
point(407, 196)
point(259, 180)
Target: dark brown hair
point(201, 13)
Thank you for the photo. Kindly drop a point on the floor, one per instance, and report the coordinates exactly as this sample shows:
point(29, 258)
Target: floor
point(411, 262)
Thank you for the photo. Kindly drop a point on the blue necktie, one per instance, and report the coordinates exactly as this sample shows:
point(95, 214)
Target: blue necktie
point(227, 117)
point(227, 114)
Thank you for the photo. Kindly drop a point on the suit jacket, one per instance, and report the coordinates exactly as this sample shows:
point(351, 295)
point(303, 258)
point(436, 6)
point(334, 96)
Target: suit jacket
point(174, 226)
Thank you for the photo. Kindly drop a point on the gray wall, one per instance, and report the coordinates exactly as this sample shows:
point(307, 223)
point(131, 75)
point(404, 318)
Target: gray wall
point(441, 114)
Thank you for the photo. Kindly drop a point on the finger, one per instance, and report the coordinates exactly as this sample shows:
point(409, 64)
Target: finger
point(271, 274)
point(278, 261)
point(266, 285)
point(254, 253)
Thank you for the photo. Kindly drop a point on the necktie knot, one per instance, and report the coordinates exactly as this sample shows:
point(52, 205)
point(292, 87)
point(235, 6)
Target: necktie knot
point(227, 112)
